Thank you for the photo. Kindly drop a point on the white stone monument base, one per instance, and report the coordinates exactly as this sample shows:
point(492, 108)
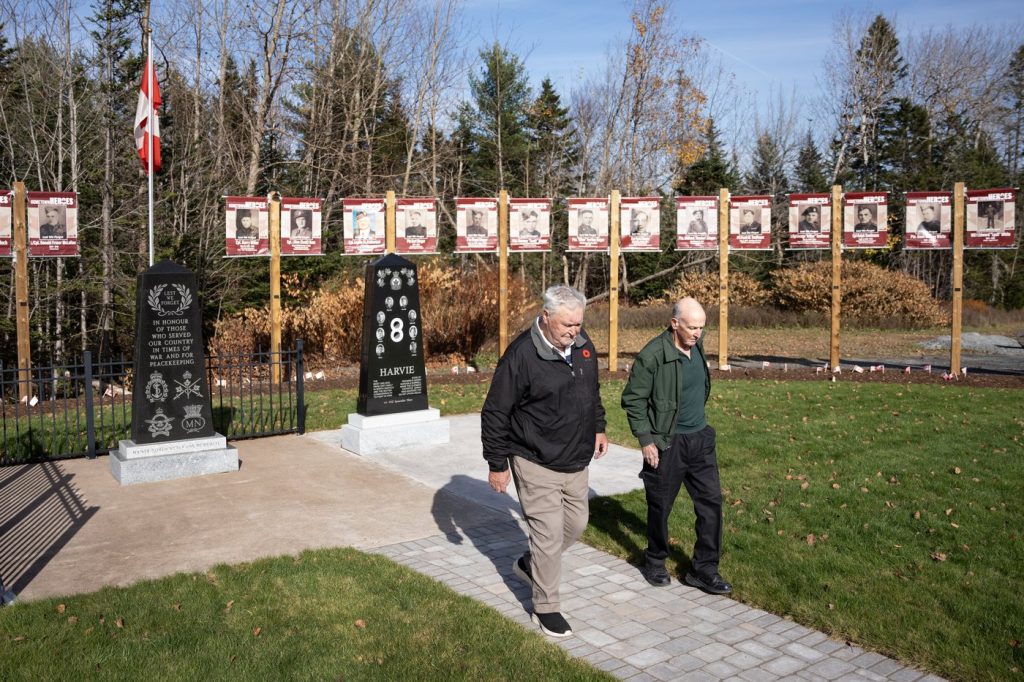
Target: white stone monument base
point(133, 463)
point(372, 435)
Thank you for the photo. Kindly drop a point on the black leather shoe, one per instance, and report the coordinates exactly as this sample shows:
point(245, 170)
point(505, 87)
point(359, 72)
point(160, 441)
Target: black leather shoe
point(655, 575)
point(712, 584)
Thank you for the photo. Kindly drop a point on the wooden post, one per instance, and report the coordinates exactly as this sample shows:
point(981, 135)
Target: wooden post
point(723, 278)
point(502, 272)
point(21, 292)
point(614, 229)
point(958, 278)
point(274, 201)
point(389, 222)
point(837, 273)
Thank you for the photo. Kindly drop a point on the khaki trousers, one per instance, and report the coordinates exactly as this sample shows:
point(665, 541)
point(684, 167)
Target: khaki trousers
point(556, 507)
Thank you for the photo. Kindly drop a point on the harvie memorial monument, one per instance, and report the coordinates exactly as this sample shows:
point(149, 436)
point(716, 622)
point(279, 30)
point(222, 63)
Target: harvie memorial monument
point(392, 409)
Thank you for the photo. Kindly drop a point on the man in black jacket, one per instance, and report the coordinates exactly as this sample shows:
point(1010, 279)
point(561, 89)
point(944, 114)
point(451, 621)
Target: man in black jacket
point(542, 423)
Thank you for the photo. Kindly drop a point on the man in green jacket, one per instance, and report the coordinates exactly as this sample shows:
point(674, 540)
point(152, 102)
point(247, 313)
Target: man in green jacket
point(669, 383)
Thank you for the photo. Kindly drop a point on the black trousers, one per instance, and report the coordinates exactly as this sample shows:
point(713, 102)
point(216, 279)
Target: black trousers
point(690, 460)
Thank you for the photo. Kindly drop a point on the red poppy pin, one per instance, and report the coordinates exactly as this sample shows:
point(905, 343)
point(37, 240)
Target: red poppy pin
point(586, 352)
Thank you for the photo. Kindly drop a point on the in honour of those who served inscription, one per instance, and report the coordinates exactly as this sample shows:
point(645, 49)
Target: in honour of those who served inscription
point(392, 376)
point(171, 400)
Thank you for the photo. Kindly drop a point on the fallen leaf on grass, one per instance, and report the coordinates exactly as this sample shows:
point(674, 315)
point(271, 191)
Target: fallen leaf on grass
point(256, 631)
point(20, 638)
point(831, 607)
point(955, 525)
point(835, 486)
point(119, 622)
point(938, 556)
point(810, 539)
point(1015, 643)
point(864, 490)
point(228, 607)
point(917, 515)
point(72, 619)
point(176, 607)
point(60, 608)
point(948, 512)
point(360, 624)
point(805, 485)
point(956, 470)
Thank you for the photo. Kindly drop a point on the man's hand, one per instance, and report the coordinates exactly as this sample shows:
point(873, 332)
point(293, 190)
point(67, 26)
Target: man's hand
point(499, 480)
point(600, 445)
point(650, 453)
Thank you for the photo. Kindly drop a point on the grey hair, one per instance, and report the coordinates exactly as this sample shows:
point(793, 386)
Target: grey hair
point(563, 296)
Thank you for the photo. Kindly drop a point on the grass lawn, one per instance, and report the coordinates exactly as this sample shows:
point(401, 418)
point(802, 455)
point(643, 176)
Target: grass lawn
point(324, 615)
point(888, 515)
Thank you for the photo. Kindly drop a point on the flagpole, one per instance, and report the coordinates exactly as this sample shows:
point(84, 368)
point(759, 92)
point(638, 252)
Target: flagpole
point(151, 75)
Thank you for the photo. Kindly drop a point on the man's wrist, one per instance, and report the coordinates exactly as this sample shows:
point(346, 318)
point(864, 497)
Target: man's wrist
point(497, 467)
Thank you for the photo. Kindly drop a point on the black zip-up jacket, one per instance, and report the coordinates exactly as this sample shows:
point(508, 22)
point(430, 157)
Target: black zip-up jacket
point(540, 408)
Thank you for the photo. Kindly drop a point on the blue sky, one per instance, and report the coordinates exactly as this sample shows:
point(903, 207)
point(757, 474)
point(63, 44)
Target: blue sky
point(767, 44)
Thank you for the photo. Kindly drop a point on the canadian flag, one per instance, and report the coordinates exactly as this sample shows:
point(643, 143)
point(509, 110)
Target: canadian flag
point(143, 126)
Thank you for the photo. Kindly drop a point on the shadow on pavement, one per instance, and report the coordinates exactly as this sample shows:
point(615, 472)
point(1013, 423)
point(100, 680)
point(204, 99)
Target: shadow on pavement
point(494, 530)
point(41, 512)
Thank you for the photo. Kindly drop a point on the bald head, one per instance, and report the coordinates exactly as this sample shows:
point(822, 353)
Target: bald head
point(688, 320)
point(687, 307)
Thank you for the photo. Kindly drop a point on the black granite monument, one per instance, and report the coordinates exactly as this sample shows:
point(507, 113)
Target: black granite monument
point(392, 376)
point(171, 400)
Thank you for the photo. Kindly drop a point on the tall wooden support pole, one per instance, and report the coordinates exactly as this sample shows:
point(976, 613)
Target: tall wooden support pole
point(958, 277)
point(614, 229)
point(502, 272)
point(723, 278)
point(389, 222)
point(837, 272)
point(275, 287)
point(21, 292)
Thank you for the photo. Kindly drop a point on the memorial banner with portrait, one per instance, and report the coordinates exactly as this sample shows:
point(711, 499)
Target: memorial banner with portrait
point(696, 223)
point(810, 221)
point(247, 227)
point(301, 227)
point(476, 225)
point(990, 219)
point(52, 224)
point(750, 223)
point(865, 216)
point(588, 224)
point(6, 222)
point(929, 221)
point(416, 225)
point(529, 225)
point(639, 224)
point(364, 226)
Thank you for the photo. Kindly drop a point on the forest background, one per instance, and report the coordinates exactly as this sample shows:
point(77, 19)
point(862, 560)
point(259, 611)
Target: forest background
point(356, 97)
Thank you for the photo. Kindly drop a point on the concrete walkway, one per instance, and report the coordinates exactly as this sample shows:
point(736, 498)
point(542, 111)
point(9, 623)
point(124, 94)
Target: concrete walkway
point(69, 527)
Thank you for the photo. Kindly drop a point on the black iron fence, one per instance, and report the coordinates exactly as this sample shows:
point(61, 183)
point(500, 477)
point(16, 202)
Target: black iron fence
point(83, 409)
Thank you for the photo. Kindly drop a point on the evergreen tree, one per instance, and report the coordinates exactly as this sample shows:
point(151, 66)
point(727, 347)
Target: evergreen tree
point(768, 168)
point(878, 68)
point(497, 121)
point(1015, 115)
point(809, 174)
point(554, 146)
point(712, 172)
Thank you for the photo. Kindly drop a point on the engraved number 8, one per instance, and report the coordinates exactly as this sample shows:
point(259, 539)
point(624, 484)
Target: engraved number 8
point(396, 329)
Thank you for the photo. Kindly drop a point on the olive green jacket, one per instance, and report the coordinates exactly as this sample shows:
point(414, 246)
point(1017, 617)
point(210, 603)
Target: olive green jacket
point(651, 396)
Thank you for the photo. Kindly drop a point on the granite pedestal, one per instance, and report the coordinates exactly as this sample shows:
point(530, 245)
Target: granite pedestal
point(378, 434)
point(134, 463)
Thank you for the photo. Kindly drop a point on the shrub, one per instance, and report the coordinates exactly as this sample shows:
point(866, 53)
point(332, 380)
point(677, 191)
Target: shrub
point(871, 294)
point(744, 290)
point(460, 310)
